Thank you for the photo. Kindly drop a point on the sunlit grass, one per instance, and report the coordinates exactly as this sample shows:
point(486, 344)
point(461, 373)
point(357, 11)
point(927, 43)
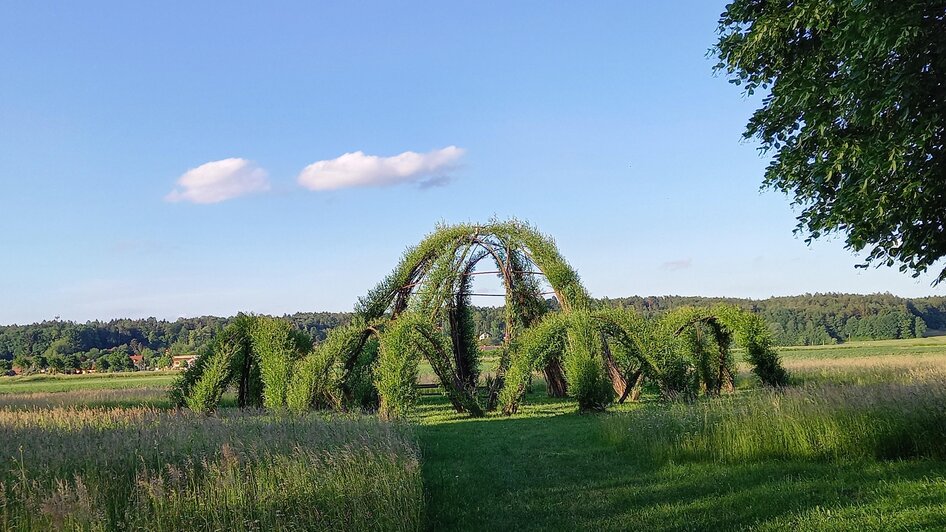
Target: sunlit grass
point(935, 345)
point(823, 422)
point(87, 398)
point(856, 442)
point(64, 383)
point(145, 469)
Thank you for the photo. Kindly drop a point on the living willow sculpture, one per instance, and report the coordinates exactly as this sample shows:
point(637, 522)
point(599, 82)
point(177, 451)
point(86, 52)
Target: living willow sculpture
point(423, 310)
point(256, 354)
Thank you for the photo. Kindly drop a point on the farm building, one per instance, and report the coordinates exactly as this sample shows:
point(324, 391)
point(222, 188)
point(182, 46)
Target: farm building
point(182, 361)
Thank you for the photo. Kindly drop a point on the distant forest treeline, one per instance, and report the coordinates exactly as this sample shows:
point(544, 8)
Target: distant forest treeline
point(107, 344)
point(814, 319)
point(809, 319)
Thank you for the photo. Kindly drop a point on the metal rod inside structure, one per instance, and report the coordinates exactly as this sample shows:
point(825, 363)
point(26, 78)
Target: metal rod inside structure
point(412, 285)
point(499, 271)
point(504, 295)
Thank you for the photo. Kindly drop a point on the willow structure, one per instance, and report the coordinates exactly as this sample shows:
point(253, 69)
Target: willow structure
point(422, 310)
point(255, 354)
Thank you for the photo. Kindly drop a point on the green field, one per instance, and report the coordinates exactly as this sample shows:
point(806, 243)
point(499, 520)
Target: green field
point(934, 346)
point(93, 381)
point(859, 443)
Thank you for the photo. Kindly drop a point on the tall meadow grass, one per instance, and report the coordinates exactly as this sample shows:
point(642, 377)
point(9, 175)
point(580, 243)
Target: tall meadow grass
point(92, 398)
point(147, 469)
point(903, 369)
point(881, 420)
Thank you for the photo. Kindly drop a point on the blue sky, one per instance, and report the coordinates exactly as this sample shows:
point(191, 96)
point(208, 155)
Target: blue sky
point(601, 123)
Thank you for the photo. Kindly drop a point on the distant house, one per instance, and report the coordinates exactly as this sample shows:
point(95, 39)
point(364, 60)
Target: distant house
point(484, 337)
point(138, 361)
point(182, 361)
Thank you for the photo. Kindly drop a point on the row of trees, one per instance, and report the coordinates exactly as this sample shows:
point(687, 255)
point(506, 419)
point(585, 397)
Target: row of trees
point(115, 359)
point(810, 319)
point(47, 342)
point(814, 319)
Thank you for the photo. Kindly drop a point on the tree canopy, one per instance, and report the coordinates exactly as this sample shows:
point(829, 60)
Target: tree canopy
point(854, 117)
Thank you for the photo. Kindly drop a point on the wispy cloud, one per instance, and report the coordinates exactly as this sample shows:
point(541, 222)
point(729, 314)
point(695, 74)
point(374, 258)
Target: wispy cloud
point(675, 265)
point(360, 170)
point(218, 181)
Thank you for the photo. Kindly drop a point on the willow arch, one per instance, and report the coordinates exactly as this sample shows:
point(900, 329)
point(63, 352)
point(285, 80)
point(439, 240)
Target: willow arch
point(425, 304)
point(684, 352)
point(422, 310)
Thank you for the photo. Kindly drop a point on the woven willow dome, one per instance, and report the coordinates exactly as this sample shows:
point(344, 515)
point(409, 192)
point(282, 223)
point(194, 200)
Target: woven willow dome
point(422, 311)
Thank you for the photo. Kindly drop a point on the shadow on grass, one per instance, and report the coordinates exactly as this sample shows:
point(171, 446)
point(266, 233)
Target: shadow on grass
point(551, 468)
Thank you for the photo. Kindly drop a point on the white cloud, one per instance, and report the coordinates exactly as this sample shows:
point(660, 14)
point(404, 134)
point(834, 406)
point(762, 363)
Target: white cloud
point(677, 265)
point(360, 170)
point(218, 181)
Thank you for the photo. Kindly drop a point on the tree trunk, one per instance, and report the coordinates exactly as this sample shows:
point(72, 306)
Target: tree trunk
point(614, 373)
point(633, 392)
point(555, 379)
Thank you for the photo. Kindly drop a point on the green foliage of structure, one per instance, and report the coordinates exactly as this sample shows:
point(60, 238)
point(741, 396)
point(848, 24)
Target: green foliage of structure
point(706, 337)
point(431, 285)
point(532, 348)
point(278, 347)
point(584, 364)
point(312, 383)
point(212, 377)
point(422, 311)
point(257, 354)
point(752, 333)
point(683, 352)
point(396, 370)
point(320, 380)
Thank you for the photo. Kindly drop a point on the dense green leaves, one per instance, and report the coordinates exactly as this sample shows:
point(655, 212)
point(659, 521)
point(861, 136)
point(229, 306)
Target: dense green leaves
point(396, 370)
point(683, 352)
point(854, 116)
point(256, 354)
point(530, 351)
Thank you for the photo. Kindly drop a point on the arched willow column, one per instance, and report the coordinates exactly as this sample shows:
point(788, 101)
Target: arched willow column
point(713, 371)
point(683, 351)
point(432, 282)
point(256, 354)
point(585, 342)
